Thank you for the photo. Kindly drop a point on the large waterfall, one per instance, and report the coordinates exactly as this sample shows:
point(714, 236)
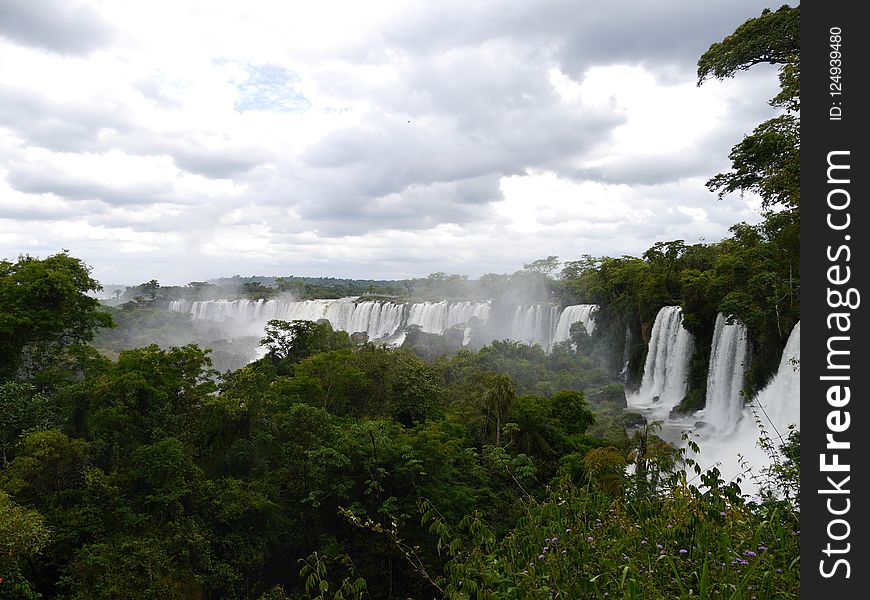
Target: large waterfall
point(377, 319)
point(542, 324)
point(728, 354)
point(666, 369)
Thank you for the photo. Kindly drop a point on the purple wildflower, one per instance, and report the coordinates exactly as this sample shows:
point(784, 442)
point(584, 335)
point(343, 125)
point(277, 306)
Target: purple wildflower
point(683, 551)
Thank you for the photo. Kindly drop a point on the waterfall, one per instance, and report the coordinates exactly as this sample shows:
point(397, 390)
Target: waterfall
point(728, 354)
point(533, 324)
point(542, 324)
point(572, 314)
point(438, 317)
point(777, 406)
point(626, 354)
point(379, 320)
point(667, 364)
point(779, 403)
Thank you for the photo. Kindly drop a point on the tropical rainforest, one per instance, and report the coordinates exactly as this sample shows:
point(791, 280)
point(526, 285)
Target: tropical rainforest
point(332, 467)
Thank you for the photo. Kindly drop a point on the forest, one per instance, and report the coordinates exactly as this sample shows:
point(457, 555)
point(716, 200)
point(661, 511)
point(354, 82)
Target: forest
point(332, 467)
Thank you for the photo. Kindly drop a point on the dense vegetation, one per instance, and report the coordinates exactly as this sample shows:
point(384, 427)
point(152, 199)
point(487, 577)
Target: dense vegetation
point(147, 476)
point(333, 468)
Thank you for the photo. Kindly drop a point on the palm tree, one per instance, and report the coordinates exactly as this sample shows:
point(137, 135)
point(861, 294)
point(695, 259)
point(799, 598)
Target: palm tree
point(499, 392)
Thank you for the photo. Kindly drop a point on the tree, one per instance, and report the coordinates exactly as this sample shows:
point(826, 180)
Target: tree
point(570, 409)
point(766, 162)
point(148, 394)
point(23, 410)
point(545, 266)
point(255, 290)
point(44, 307)
point(499, 392)
point(296, 340)
point(773, 37)
point(150, 288)
point(23, 534)
point(331, 376)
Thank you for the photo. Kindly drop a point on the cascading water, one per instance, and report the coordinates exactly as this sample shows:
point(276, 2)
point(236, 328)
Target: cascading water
point(378, 320)
point(667, 365)
point(533, 324)
point(626, 354)
point(779, 403)
point(583, 313)
point(438, 317)
point(542, 324)
point(728, 354)
point(777, 406)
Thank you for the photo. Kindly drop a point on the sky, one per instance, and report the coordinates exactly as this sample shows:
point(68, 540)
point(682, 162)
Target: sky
point(180, 140)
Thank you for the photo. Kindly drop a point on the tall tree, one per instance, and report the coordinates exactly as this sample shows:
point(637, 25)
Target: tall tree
point(44, 307)
point(767, 162)
point(499, 393)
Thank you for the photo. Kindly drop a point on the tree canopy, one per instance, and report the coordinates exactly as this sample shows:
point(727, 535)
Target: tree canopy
point(766, 162)
point(44, 307)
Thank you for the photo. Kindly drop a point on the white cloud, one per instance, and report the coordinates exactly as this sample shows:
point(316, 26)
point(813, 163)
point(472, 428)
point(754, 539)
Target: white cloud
point(379, 139)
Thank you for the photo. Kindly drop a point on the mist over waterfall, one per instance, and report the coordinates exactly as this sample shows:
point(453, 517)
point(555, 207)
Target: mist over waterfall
point(666, 369)
point(728, 355)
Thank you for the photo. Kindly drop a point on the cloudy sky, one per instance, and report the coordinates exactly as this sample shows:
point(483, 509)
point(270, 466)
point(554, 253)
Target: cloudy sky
point(182, 140)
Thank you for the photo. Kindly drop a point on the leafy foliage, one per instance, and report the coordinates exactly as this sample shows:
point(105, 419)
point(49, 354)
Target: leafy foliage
point(766, 162)
point(44, 307)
